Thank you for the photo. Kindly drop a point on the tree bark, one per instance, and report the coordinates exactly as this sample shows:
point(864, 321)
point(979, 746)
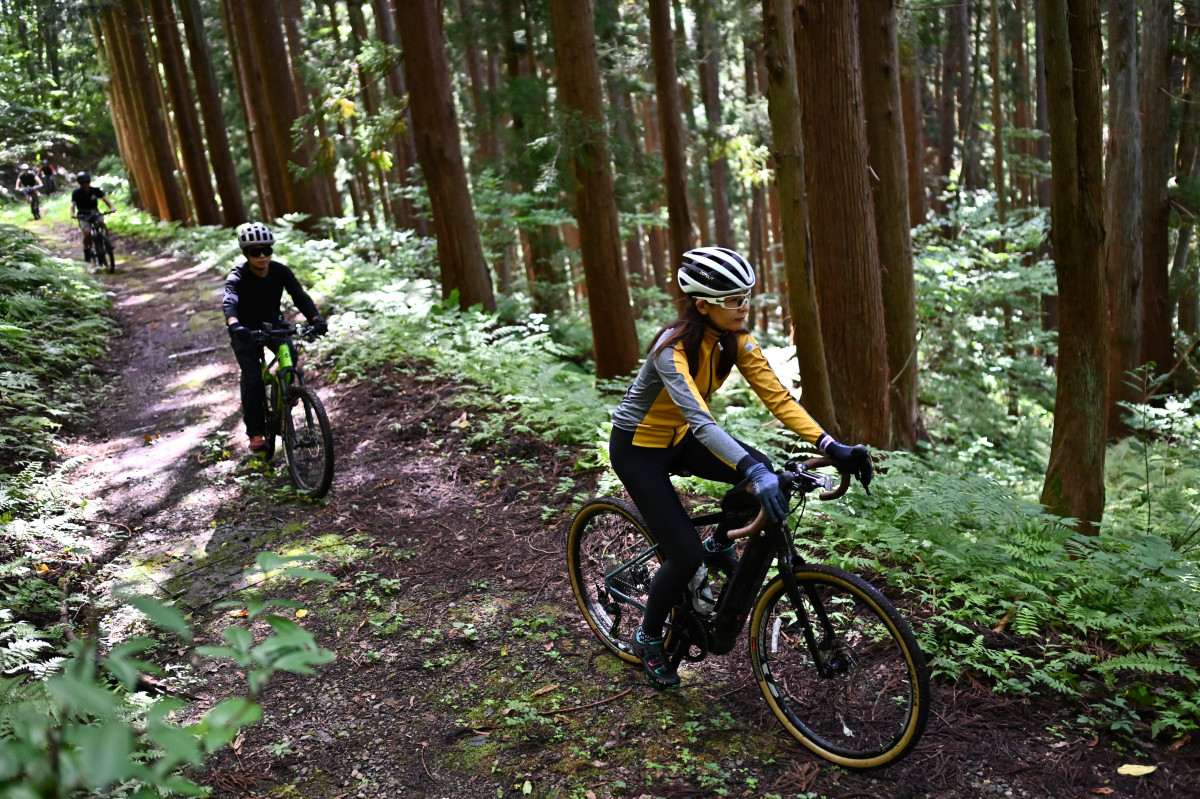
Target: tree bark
point(1123, 213)
point(879, 43)
point(166, 32)
point(581, 97)
point(1154, 98)
point(913, 111)
point(784, 108)
point(435, 132)
point(844, 243)
point(710, 83)
point(674, 140)
point(233, 205)
point(1074, 484)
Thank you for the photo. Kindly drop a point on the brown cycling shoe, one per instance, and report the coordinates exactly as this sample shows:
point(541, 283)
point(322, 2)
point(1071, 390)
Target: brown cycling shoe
point(654, 661)
point(257, 443)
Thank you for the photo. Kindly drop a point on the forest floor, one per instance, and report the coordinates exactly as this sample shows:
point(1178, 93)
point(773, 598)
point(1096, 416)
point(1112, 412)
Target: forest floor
point(462, 663)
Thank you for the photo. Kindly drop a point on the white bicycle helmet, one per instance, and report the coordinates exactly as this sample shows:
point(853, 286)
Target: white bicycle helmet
point(714, 272)
point(24, 167)
point(255, 233)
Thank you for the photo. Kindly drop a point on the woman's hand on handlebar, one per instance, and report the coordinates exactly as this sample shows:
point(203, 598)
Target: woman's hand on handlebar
point(856, 460)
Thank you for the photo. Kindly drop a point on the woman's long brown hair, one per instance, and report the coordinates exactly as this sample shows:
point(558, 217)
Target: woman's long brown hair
point(689, 328)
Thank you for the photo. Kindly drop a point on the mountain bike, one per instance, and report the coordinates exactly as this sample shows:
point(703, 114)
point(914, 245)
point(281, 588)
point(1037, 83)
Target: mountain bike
point(836, 663)
point(295, 414)
point(34, 198)
point(101, 251)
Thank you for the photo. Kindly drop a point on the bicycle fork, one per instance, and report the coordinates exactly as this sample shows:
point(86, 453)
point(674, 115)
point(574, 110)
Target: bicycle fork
point(824, 652)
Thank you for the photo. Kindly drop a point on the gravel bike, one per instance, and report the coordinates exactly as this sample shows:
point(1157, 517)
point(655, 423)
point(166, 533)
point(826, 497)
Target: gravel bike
point(837, 664)
point(34, 198)
point(101, 251)
point(295, 414)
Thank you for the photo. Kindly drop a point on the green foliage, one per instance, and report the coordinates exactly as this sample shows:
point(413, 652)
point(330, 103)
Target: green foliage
point(52, 331)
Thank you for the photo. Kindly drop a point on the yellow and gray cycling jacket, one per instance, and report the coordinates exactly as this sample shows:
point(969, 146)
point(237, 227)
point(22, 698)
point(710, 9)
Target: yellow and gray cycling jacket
point(665, 400)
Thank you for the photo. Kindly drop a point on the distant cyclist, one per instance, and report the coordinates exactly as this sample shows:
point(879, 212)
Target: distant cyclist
point(27, 183)
point(253, 292)
point(85, 201)
point(48, 173)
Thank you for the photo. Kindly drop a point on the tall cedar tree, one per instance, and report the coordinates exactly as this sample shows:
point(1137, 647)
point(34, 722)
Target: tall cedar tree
point(435, 132)
point(783, 106)
point(581, 95)
point(1155, 100)
point(233, 206)
point(710, 87)
point(1123, 212)
point(845, 249)
point(183, 105)
point(1074, 484)
point(879, 41)
point(673, 137)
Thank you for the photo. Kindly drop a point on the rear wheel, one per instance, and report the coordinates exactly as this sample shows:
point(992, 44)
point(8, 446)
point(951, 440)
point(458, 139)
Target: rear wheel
point(308, 442)
point(861, 698)
point(271, 414)
point(611, 559)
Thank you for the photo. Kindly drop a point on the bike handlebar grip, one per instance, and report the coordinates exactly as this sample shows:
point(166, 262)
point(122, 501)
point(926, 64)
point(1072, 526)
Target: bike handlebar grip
point(843, 487)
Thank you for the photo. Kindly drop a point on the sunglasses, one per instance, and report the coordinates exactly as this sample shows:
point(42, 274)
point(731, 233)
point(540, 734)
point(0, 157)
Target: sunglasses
point(733, 303)
point(255, 252)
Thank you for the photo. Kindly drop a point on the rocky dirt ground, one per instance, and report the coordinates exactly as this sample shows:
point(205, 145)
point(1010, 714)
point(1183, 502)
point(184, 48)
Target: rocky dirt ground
point(463, 668)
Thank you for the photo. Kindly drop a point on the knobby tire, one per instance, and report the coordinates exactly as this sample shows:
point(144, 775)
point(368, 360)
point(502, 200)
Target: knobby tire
point(871, 711)
point(308, 443)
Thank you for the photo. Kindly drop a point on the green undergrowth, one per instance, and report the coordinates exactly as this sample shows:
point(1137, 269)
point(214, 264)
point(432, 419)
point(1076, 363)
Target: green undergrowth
point(53, 331)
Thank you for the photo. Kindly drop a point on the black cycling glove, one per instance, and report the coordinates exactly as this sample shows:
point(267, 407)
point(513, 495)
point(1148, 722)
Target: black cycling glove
point(319, 326)
point(238, 331)
point(856, 460)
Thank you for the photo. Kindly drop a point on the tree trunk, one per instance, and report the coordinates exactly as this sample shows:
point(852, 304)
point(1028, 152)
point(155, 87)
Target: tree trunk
point(997, 117)
point(879, 43)
point(166, 32)
point(710, 77)
point(324, 152)
point(844, 243)
point(162, 159)
point(947, 121)
point(1042, 111)
point(435, 131)
point(674, 140)
point(1123, 213)
point(1155, 101)
point(1074, 484)
point(581, 96)
point(233, 206)
point(783, 105)
point(913, 111)
point(247, 73)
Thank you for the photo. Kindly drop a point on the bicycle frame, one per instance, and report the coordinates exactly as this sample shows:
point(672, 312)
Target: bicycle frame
point(722, 630)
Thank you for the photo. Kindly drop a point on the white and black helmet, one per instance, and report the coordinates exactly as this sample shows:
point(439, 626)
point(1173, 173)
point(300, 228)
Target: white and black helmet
point(253, 234)
point(714, 272)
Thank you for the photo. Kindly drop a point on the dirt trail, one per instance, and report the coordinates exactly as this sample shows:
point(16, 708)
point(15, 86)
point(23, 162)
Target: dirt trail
point(456, 636)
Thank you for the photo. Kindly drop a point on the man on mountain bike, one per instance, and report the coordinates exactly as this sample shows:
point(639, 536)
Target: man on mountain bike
point(85, 201)
point(48, 173)
point(253, 292)
point(663, 426)
point(27, 183)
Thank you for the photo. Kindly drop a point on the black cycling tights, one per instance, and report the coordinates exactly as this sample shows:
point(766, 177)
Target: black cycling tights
point(646, 474)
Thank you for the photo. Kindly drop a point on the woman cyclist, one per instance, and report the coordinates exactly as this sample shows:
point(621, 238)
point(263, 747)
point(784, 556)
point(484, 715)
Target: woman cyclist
point(663, 426)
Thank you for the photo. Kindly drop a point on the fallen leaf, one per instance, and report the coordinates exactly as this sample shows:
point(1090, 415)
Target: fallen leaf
point(1175, 747)
point(545, 690)
point(1102, 791)
point(239, 614)
point(148, 438)
point(301, 613)
point(460, 421)
point(1135, 770)
point(549, 646)
point(384, 483)
point(41, 568)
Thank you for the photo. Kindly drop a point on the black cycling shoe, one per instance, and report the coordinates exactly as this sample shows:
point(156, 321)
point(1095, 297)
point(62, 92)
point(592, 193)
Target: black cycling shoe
point(654, 661)
point(724, 560)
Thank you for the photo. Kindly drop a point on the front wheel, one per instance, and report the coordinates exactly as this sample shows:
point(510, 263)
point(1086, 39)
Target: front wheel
point(36, 206)
point(271, 414)
point(308, 442)
point(105, 252)
point(611, 559)
point(855, 692)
